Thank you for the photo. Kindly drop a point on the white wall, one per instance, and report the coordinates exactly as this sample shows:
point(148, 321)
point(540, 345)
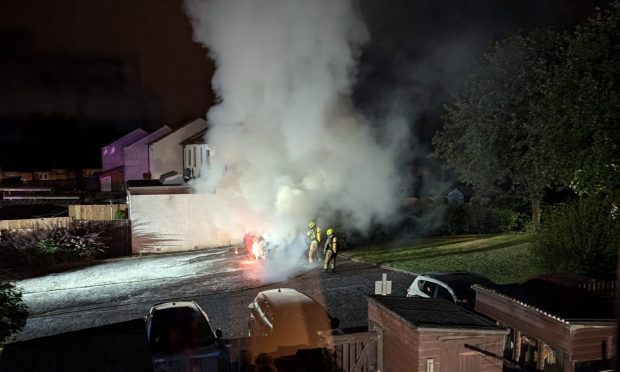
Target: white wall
point(136, 160)
point(166, 154)
point(175, 222)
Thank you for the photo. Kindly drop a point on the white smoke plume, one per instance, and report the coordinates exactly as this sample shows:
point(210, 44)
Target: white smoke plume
point(287, 143)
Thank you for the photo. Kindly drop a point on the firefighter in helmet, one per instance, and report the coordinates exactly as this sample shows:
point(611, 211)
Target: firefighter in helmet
point(329, 250)
point(314, 237)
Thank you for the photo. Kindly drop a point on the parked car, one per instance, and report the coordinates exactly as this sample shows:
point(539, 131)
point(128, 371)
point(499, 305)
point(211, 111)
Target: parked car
point(181, 338)
point(453, 286)
point(285, 320)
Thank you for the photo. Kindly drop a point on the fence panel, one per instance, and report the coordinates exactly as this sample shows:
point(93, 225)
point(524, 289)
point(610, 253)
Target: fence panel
point(117, 237)
point(356, 352)
point(34, 223)
point(95, 212)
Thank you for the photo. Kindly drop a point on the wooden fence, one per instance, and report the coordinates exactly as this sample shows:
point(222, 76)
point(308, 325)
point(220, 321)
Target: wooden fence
point(351, 352)
point(95, 212)
point(605, 288)
point(358, 352)
point(117, 237)
point(34, 223)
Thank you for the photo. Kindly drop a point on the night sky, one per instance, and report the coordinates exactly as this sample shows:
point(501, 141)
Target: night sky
point(76, 74)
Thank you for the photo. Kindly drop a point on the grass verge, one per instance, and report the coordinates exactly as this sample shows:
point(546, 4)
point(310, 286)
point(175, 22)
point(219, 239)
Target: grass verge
point(503, 258)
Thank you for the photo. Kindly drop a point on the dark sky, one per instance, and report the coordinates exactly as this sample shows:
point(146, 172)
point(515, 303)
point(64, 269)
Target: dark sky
point(77, 73)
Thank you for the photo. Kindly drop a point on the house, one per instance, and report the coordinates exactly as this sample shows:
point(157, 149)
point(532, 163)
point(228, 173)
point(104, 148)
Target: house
point(167, 153)
point(553, 327)
point(459, 195)
point(22, 176)
point(112, 161)
point(196, 155)
point(136, 155)
point(428, 335)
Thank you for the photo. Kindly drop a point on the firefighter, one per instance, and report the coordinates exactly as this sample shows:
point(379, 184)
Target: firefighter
point(329, 250)
point(314, 237)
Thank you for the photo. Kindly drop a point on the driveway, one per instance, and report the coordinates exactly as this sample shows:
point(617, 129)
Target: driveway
point(222, 282)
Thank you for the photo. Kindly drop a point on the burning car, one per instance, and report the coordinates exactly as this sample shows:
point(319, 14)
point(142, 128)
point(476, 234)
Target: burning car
point(255, 245)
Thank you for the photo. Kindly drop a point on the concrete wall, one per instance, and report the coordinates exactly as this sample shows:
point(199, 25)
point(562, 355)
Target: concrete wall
point(112, 154)
point(166, 154)
point(136, 155)
point(174, 222)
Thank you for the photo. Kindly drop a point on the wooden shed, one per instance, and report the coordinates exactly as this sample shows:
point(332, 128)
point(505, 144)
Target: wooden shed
point(552, 328)
point(434, 335)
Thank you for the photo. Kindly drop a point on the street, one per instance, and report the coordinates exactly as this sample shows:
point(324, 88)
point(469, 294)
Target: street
point(222, 282)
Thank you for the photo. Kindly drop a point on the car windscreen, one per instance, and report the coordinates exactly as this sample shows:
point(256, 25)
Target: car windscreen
point(179, 329)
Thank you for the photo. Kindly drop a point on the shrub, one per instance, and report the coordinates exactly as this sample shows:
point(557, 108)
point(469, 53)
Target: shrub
point(481, 216)
point(13, 312)
point(120, 214)
point(77, 241)
point(580, 237)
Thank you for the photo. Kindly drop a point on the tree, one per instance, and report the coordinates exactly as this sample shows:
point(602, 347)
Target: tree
point(582, 106)
point(543, 111)
point(490, 134)
point(13, 312)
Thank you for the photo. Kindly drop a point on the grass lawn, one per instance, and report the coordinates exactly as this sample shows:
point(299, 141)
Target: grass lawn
point(503, 258)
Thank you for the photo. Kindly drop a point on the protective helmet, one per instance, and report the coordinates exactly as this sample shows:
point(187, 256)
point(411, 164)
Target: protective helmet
point(311, 224)
point(330, 231)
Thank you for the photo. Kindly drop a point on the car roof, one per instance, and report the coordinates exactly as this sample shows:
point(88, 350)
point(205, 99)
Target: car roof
point(449, 276)
point(286, 296)
point(175, 304)
point(459, 281)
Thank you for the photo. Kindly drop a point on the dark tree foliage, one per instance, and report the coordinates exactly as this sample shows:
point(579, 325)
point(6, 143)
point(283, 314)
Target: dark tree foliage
point(544, 110)
point(13, 312)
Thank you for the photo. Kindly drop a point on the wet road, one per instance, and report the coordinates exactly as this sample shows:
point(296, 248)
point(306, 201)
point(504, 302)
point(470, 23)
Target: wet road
point(220, 281)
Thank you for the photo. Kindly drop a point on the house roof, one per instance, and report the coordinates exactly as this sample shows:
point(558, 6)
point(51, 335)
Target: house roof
point(465, 190)
point(138, 131)
point(143, 183)
point(433, 313)
point(177, 129)
point(153, 136)
point(196, 139)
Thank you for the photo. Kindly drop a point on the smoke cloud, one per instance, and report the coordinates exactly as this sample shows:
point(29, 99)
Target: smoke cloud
point(288, 146)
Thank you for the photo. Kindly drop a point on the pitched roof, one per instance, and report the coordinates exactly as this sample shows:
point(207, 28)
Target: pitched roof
point(139, 131)
point(433, 313)
point(198, 138)
point(153, 136)
point(195, 121)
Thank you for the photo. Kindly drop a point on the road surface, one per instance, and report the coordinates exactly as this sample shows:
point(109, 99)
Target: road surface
point(222, 282)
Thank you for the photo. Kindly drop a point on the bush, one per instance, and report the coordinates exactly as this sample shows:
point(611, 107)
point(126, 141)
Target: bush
point(580, 237)
point(13, 312)
point(480, 216)
point(77, 241)
point(120, 214)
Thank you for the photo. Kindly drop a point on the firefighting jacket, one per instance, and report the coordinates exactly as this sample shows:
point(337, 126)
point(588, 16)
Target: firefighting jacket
point(314, 234)
point(331, 243)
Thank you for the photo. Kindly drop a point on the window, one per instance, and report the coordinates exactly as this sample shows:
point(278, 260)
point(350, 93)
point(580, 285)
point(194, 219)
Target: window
point(445, 294)
point(427, 287)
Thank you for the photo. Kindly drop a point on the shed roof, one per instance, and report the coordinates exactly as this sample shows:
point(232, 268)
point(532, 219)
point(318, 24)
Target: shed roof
point(433, 313)
point(561, 300)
